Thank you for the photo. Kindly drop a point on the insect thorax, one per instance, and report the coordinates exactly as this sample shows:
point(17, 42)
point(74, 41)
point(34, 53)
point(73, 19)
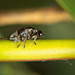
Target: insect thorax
point(27, 34)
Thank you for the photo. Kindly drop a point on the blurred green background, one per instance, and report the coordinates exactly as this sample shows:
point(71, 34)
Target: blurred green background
point(59, 30)
point(26, 4)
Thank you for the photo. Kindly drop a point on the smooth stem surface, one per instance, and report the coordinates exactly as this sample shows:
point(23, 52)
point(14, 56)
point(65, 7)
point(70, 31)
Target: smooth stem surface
point(43, 50)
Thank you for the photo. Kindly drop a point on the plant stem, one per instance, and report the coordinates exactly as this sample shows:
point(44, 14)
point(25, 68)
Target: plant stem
point(43, 50)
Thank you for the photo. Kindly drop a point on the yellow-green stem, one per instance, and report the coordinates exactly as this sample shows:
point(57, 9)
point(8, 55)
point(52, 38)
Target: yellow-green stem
point(43, 50)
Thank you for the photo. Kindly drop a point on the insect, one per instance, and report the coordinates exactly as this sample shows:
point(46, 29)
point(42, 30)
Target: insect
point(24, 34)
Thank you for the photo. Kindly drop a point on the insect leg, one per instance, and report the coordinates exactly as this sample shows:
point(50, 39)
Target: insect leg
point(24, 42)
point(19, 41)
point(34, 40)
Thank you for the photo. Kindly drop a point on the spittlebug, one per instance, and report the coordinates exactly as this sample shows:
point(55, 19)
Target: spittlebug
point(24, 34)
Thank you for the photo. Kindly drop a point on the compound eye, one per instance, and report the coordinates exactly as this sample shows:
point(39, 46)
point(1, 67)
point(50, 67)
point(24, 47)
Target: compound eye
point(40, 33)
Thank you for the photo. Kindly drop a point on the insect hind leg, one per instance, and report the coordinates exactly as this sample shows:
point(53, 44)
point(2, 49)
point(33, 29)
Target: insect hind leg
point(34, 42)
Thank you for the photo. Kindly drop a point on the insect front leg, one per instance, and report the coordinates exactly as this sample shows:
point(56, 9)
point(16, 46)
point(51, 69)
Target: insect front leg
point(35, 37)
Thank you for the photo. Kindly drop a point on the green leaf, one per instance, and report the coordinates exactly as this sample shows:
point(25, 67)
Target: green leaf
point(68, 5)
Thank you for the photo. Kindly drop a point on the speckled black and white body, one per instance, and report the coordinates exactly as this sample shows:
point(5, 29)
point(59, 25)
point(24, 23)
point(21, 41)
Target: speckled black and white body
point(24, 34)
